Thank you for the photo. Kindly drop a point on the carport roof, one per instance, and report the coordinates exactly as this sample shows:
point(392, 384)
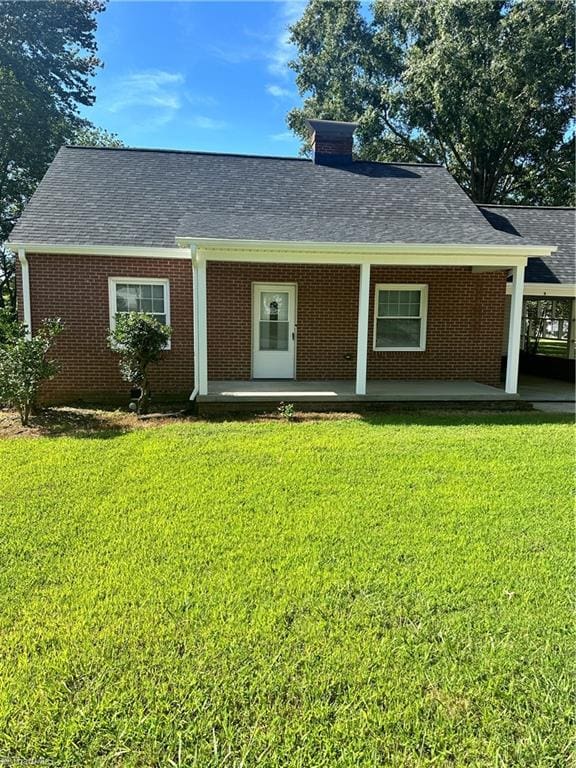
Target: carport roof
point(540, 226)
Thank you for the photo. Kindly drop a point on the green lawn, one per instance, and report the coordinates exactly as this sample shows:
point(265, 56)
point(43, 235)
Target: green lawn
point(553, 348)
point(390, 591)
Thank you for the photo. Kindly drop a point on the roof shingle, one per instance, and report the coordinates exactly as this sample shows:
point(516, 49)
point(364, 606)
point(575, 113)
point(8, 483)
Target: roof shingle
point(94, 196)
point(541, 226)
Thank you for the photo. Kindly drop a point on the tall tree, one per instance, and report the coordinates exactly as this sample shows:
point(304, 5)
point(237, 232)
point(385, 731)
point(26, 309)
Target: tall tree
point(90, 136)
point(47, 55)
point(484, 87)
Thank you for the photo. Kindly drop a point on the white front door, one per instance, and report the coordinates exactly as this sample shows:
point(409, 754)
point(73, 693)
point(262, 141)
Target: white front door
point(274, 330)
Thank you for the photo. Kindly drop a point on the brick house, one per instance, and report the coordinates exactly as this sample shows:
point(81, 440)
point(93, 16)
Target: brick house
point(280, 277)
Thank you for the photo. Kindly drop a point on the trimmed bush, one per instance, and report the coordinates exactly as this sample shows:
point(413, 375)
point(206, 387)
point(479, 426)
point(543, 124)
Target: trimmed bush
point(139, 339)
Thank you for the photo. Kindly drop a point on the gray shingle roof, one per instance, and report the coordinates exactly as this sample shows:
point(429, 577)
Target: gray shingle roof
point(541, 226)
point(150, 197)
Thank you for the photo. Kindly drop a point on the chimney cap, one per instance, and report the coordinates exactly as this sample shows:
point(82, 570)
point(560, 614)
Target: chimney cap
point(332, 128)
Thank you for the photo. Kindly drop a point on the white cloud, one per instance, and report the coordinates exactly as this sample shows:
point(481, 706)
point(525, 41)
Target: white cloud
point(283, 51)
point(200, 100)
point(237, 55)
point(151, 99)
point(278, 91)
point(201, 121)
point(272, 44)
point(284, 136)
point(151, 88)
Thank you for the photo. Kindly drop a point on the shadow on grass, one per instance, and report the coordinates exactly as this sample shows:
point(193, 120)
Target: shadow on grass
point(102, 424)
point(401, 415)
point(71, 422)
point(457, 418)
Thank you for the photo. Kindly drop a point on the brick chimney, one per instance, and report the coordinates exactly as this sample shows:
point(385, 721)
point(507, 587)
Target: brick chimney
point(331, 141)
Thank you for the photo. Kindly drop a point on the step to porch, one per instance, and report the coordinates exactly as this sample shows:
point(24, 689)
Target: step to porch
point(265, 395)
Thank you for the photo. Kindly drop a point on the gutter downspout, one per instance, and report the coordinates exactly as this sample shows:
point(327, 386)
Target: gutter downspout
point(194, 392)
point(26, 306)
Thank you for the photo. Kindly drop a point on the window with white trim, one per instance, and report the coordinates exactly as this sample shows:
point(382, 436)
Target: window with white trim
point(137, 294)
point(400, 313)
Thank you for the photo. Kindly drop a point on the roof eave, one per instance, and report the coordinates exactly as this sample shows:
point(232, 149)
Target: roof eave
point(98, 249)
point(352, 252)
point(365, 248)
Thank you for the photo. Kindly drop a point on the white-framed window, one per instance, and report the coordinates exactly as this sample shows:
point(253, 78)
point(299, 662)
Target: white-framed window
point(400, 313)
point(139, 294)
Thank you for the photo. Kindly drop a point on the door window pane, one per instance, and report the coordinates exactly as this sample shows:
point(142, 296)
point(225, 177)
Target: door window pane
point(273, 336)
point(274, 306)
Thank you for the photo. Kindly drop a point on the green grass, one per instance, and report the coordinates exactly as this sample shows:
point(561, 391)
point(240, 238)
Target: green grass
point(553, 348)
point(378, 592)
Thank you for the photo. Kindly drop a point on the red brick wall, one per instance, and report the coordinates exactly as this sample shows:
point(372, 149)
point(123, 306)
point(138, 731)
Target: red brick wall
point(75, 288)
point(464, 329)
point(327, 307)
point(464, 338)
point(465, 321)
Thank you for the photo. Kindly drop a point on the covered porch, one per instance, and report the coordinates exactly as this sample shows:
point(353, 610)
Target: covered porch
point(364, 370)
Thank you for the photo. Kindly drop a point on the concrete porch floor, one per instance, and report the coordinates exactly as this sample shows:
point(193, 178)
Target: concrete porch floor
point(260, 390)
point(539, 389)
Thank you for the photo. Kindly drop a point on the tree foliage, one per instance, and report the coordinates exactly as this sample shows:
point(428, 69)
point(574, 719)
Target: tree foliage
point(47, 55)
point(24, 364)
point(484, 87)
point(139, 339)
point(90, 136)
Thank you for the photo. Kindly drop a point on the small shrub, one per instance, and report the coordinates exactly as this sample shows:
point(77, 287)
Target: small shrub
point(287, 411)
point(24, 365)
point(139, 339)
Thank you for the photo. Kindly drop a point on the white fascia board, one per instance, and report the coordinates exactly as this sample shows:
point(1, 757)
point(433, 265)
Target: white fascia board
point(103, 250)
point(563, 290)
point(419, 254)
point(272, 256)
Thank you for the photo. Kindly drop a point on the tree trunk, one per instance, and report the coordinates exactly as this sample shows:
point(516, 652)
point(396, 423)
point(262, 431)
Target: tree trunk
point(24, 411)
point(143, 401)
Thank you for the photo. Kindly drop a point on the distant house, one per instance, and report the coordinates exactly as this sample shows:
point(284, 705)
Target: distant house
point(281, 277)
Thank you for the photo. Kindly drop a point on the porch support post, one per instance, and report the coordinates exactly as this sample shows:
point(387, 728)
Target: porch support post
point(200, 325)
point(572, 330)
point(515, 330)
point(362, 342)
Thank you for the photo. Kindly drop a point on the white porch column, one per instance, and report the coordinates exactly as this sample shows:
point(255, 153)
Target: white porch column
point(200, 325)
point(26, 304)
point(572, 330)
point(362, 343)
point(515, 330)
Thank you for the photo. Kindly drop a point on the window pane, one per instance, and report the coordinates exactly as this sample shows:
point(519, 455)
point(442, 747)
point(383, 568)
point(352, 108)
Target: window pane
point(273, 335)
point(133, 292)
point(132, 297)
point(145, 305)
point(398, 333)
point(274, 306)
point(161, 319)
point(126, 297)
point(121, 299)
point(398, 303)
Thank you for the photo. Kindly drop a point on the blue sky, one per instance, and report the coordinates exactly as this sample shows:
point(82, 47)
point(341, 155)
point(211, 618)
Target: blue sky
point(209, 76)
